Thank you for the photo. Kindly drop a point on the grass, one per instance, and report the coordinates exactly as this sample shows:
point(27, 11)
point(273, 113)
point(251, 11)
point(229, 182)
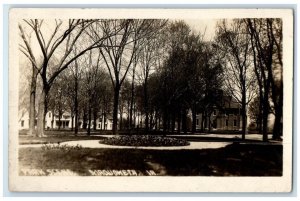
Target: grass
point(233, 160)
point(55, 137)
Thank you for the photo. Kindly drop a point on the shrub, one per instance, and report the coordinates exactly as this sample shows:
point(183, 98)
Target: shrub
point(58, 146)
point(144, 140)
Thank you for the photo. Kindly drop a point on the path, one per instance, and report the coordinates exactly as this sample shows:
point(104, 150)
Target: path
point(193, 144)
point(96, 144)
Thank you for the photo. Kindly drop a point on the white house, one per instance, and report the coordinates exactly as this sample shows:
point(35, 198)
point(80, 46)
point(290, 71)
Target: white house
point(52, 121)
point(23, 120)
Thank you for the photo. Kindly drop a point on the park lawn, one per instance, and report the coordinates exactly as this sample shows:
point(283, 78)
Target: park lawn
point(54, 139)
point(233, 160)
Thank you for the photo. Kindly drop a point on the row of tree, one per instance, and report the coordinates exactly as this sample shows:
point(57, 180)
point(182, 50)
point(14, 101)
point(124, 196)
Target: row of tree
point(160, 69)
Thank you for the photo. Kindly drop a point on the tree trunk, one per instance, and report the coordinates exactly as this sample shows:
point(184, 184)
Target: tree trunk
point(89, 115)
point(141, 123)
point(260, 115)
point(132, 100)
point(152, 123)
point(173, 122)
point(209, 123)
point(84, 124)
point(277, 128)
point(165, 116)
point(138, 119)
point(59, 119)
point(41, 114)
point(115, 109)
point(156, 121)
point(202, 122)
point(95, 119)
point(194, 119)
point(265, 122)
point(121, 119)
point(52, 121)
point(72, 122)
point(265, 115)
point(89, 119)
point(168, 124)
point(76, 104)
point(146, 108)
point(179, 122)
point(134, 117)
point(32, 102)
point(104, 121)
point(159, 120)
point(184, 122)
point(244, 115)
point(205, 122)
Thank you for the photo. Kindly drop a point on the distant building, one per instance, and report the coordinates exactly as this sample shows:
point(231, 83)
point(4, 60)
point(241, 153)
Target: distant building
point(225, 116)
point(52, 121)
point(23, 120)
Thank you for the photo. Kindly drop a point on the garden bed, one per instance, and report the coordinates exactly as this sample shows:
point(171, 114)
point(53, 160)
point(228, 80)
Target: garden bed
point(144, 140)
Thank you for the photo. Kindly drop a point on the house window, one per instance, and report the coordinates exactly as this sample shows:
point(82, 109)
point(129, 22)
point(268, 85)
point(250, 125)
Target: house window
point(22, 123)
point(197, 122)
point(234, 123)
point(226, 123)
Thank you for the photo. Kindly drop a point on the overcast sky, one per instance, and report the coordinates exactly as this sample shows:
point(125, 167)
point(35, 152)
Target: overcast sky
point(200, 26)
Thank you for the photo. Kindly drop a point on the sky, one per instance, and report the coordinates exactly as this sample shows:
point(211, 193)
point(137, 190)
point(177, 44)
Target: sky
point(206, 26)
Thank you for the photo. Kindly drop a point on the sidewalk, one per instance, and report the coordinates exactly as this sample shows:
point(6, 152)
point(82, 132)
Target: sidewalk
point(204, 144)
point(96, 144)
point(228, 136)
point(193, 145)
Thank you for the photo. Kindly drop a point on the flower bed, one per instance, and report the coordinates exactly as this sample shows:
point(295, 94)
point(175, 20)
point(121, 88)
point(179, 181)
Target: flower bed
point(144, 140)
point(58, 146)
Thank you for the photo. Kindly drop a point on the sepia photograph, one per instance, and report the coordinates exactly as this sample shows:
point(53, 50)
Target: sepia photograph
point(150, 100)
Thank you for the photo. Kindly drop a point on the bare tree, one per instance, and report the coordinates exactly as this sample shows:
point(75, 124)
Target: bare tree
point(60, 42)
point(24, 91)
point(173, 80)
point(118, 52)
point(73, 81)
point(150, 52)
point(57, 98)
point(33, 81)
point(76, 72)
point(132, 93)
point(93, 76)
point(266, 41)
point(234, 43)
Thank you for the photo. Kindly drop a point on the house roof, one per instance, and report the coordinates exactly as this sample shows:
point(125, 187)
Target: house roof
point(230, 102)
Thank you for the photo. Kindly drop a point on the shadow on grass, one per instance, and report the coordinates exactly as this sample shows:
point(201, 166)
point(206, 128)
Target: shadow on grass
point(233, 160)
